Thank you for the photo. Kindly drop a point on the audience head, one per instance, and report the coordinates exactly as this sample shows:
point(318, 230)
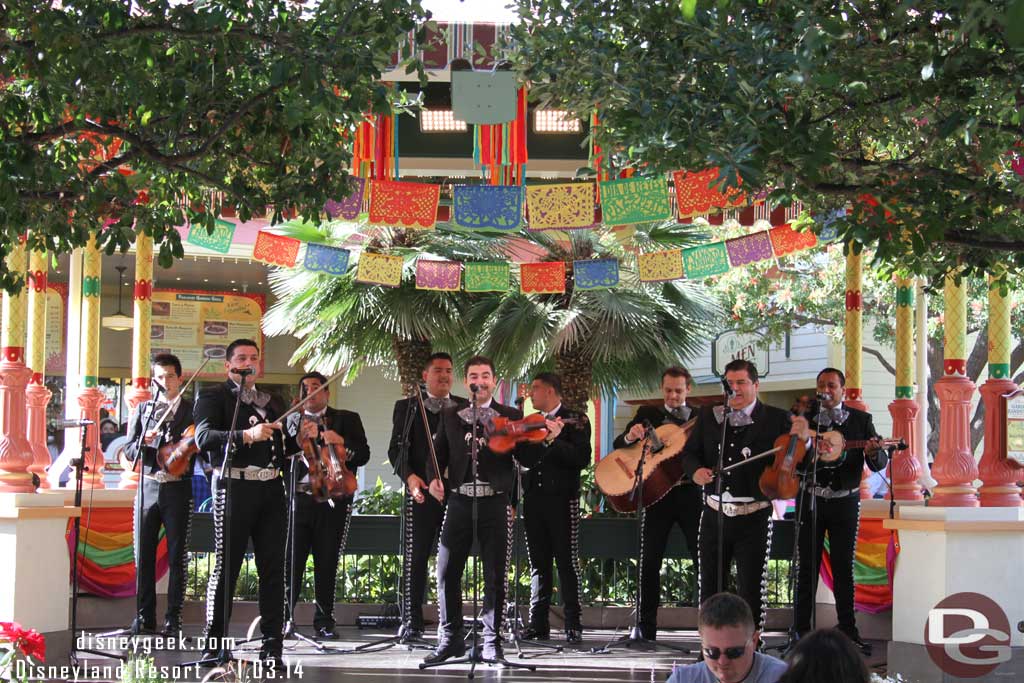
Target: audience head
point(727, 637)
point(825, 655)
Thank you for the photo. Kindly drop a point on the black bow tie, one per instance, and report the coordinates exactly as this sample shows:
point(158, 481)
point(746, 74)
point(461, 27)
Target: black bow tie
point(253, 396)
point(679, 412)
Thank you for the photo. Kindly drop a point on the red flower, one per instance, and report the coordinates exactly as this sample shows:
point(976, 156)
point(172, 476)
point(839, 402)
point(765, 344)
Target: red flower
point(30, 642)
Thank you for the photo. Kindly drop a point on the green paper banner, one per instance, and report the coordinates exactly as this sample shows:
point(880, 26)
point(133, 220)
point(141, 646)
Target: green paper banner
point(634, 200)
point(219, 241)
point(705, 261)
point(487, 277)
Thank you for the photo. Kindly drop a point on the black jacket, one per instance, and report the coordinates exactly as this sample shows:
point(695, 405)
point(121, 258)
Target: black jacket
point(701, 449)
point(555, 468)
point(419, 462)
point(213, 410)
point(345, 424)
point(656, 414)
point(170, 432)
point(846, 472)
point(454, 451)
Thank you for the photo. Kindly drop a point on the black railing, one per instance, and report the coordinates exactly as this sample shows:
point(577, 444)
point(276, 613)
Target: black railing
point(370, 564)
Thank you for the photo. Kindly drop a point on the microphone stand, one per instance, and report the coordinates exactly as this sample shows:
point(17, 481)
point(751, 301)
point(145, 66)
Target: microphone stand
point(79, 465)
point(475, 655)
point(140, 508)
point(720, 513)
point(403, 637)
point(634, 637)
point(225, 657)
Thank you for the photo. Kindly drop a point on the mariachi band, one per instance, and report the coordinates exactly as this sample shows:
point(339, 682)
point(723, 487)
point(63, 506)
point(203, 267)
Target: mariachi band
point(289, 484)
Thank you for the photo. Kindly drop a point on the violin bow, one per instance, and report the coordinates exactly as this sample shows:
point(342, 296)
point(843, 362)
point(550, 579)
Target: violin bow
point(750, 459)
point(426, 429)
point(302, 401)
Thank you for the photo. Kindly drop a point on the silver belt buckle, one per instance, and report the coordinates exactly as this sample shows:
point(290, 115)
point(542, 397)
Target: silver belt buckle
point(266, 474)
point(161, 477)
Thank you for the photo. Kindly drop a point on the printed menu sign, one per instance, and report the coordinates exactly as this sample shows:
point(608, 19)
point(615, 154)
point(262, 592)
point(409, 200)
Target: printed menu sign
point(194, 325)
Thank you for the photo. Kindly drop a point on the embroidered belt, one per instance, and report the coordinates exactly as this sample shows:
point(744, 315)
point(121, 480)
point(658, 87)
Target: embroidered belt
point(736, 509)
point(162, 477)
point(827, 492)
point(480, 490)
point(265, 474)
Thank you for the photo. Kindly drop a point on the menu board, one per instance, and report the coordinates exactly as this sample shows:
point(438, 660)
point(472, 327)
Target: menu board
point(194, 325)
point(56, 327)
point(1015, 427)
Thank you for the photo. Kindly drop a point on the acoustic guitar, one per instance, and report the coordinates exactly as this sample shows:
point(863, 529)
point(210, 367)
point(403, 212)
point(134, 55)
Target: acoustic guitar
point(832, 445)
point(615, 474)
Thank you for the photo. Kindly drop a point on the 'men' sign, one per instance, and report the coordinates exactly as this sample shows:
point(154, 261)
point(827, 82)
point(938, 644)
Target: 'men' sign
point(731, 345)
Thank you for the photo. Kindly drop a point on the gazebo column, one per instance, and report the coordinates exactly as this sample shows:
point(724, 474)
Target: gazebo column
point(954, 468)
point(15, 451)
point(999, 476)
point(854, 333)
point(91, 398)
point(906, 469)
point(37, 396)
point(143, 298)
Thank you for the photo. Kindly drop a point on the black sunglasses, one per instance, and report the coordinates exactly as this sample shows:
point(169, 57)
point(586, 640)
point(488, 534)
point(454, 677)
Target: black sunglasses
point(730, 652)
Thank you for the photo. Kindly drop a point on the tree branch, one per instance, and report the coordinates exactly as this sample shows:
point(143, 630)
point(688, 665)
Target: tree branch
point(881, 359)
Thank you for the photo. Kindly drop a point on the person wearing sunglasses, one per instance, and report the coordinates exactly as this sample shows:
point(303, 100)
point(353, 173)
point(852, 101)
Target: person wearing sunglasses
point(728, 642)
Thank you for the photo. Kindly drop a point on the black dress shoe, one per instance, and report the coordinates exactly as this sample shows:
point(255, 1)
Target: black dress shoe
point(535, 633)
point(493, 651)
point(270, 655)
point(140, 627)
point(854, 636)
point(454, 647)
point(172, 627)
point(326, 633)
point(574, 635)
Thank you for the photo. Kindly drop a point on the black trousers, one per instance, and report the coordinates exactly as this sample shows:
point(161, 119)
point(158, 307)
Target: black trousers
point(840, 517)
point(168, 505)
point(494, 535)
point(552, 535)
point(322, 530)
point(681, 505)
point(746, 539)
point(422, 526)
point(257, 512)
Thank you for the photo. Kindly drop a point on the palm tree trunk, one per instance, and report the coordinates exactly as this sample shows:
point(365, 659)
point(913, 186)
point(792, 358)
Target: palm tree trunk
point(410, 355)
point(575, 369)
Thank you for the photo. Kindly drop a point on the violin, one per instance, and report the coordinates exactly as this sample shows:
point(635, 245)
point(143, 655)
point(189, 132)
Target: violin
point(531, 429)
point(173, 458)
point(329, 476)
point(780, 479)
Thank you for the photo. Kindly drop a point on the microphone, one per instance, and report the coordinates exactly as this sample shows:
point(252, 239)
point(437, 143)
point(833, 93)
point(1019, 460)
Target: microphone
point(241, 372)
point(652, 436)
point(71, 424)
point(728, 389)
point(823, 397)
point(520, 400)
point(473, 388)
point(160, 387)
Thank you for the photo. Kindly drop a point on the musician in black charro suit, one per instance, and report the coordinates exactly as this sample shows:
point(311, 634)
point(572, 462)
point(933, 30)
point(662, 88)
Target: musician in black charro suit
point(320, 527)
point(551, 505)
point(257, 495)
point(681, 505)
point(163, 499)
point(751, 428)
point(423, 512)
point(837, 493)
point(492, 491)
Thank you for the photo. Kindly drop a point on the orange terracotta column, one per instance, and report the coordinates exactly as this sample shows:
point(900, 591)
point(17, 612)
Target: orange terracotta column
point(143, 297)
point(999, 475)
point(15, 450)
point(954, 468)
point(905, 467)
point(37, 396)
point(91, 398)
point(853, 339)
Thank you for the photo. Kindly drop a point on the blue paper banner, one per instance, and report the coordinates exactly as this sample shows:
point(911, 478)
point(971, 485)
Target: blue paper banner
point(596, 273)
point(829, 229)
point(497, 207)
point(325, 259)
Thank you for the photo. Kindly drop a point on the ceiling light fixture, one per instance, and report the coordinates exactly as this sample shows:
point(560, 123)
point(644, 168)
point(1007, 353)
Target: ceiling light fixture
point(120, 321)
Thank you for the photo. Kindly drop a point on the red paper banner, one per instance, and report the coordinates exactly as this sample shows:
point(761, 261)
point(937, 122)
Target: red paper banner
point(542, 278)
point(406, 205)
point(786, 240)
point(276, 250)
point(694, 197)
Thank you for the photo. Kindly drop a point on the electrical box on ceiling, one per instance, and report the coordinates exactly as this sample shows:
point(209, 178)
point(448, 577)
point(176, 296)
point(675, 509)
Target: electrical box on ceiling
point(484, 96)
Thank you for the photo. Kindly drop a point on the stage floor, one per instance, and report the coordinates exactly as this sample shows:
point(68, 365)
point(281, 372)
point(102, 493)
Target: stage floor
point(399, 663)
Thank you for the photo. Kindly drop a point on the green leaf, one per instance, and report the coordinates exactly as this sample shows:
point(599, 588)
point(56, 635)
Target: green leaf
point(688, 9)
point(1015, 24)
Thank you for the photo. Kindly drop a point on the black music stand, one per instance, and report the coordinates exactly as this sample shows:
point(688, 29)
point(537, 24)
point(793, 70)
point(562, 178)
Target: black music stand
point(79, 465)
point(635, 637)
point(475, 655)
